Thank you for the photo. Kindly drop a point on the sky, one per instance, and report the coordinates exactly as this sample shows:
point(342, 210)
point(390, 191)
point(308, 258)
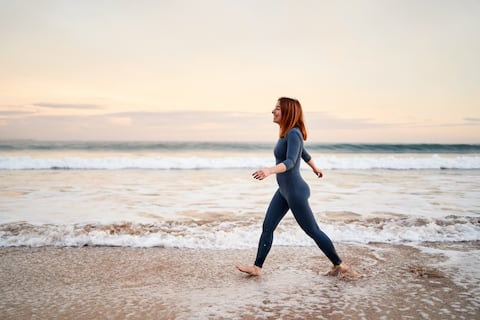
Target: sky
point(365, 71)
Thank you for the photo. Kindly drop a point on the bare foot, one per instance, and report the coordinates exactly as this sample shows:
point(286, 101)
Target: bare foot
point(342, 270)
point(251, 270)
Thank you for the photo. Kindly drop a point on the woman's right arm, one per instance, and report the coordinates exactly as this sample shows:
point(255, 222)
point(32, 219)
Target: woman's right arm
point(294, 143)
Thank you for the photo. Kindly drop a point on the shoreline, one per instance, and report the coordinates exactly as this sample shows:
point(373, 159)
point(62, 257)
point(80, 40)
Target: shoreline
point(397, 282)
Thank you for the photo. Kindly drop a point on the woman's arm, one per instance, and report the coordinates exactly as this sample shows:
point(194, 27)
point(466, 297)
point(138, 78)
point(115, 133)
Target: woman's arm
point(308, 159)
point(294, 143)
point(316, 170)
point(305, 155)
point(279, 168)
point(263, 173)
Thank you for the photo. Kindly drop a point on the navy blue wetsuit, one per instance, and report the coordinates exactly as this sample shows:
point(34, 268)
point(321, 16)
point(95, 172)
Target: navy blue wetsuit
point(293, 194)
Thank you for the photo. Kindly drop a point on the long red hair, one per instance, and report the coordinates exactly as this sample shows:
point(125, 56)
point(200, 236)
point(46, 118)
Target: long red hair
point(292, 116)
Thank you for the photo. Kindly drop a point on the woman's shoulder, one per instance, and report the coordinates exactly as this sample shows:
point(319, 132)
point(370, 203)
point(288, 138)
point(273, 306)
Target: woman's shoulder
point(295, 131)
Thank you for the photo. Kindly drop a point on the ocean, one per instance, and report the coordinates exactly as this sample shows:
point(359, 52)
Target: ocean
point(201, 194)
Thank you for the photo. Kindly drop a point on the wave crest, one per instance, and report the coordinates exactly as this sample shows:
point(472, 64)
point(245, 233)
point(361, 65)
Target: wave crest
point(188, 163)
point(238, 234)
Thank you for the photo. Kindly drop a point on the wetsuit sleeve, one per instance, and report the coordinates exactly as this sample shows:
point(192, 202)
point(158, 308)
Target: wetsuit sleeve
point(294, 147)
point(305, 155)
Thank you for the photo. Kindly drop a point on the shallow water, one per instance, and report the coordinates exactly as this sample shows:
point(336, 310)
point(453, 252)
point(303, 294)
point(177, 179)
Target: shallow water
point(155, 283)
point(223, 208)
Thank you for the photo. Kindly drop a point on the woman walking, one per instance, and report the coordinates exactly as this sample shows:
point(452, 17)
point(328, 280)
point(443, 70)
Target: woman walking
point(293, 192)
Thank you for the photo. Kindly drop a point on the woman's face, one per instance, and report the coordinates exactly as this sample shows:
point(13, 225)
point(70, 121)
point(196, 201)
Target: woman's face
point(277, 113)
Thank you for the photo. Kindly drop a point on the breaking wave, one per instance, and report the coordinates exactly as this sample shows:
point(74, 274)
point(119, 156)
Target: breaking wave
point(238, 234)
point(363, 162)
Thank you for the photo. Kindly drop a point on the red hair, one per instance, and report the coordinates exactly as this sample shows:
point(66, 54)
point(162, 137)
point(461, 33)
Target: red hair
point(292, 116)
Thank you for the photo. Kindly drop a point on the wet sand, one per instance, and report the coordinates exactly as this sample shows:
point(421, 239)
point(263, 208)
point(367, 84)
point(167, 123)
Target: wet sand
point(397, 282)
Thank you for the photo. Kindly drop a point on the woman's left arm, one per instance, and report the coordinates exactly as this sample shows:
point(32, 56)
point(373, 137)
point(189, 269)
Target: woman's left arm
point(316, 170)
point(308, 159)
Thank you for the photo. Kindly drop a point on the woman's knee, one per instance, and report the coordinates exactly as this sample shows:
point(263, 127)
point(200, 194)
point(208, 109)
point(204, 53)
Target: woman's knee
point(310, 226)
point(313, 232)
point(267, 229)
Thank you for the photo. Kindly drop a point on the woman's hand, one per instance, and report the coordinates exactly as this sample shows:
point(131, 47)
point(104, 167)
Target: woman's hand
point(318, 172)
point(261, 174)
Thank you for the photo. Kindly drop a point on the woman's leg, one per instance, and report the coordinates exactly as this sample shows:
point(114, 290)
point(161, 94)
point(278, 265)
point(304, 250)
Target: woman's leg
point(305, 218)
point(276, 211)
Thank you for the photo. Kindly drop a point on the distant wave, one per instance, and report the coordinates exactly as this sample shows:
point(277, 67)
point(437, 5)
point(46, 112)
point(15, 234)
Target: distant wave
point(351, 162)
point(237, 234)
point(134, 146)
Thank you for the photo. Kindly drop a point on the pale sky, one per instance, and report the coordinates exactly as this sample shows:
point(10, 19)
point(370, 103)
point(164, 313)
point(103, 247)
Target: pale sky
point(364, 71)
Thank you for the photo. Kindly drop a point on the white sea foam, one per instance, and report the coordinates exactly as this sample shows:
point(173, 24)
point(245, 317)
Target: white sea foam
point(221, 209)
point(237, 235)
point(357, 162)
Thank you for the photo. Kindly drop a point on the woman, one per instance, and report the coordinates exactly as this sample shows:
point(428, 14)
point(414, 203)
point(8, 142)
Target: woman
point(293, 191)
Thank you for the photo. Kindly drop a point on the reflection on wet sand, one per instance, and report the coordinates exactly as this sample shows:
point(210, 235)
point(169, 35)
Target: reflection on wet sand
point(396, 282)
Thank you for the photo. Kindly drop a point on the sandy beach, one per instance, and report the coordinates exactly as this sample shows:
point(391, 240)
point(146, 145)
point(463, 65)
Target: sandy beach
point(155, 234)
point(397, 282)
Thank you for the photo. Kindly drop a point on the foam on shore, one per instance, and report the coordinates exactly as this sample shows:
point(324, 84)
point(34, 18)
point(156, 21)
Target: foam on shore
point(239, 233)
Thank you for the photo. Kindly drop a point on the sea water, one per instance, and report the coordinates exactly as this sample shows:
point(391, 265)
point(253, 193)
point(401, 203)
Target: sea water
point(202, 195)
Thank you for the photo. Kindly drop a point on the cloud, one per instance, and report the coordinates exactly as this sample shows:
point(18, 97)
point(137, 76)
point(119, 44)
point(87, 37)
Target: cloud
point(222, 126)
point(14, 113)
point(162, 126)
point(467, 122)
point(68, 106)
point(120, 121)
point(472, 119)
point(325, 121)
